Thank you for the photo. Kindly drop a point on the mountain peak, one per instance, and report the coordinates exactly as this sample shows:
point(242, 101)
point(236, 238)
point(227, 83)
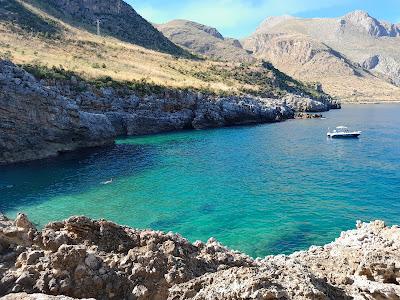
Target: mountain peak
point(358, 14)
point(204, 40)
point(273, 21)
point(207, 29)
point(363, 22)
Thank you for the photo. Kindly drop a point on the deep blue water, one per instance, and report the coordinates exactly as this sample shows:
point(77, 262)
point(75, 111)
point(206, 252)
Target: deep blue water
point(263, 189)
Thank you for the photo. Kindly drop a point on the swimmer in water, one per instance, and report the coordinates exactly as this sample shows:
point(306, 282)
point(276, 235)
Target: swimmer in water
point(107, 182)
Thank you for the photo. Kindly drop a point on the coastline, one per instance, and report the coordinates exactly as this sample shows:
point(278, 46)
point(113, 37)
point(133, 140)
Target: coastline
point(371, 102)
point(55, 116)
point(84, 258)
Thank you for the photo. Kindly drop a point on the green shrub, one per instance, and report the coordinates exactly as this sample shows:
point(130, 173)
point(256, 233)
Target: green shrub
point(7, 55)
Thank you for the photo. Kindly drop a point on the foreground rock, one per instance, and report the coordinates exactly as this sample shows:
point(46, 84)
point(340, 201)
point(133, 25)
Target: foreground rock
point(83, 258)
point(40, 119)
point(25, 296)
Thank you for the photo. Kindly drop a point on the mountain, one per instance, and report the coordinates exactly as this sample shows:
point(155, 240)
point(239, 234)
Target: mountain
point(117, 19)
point(15, 13)
point(204, 40)
point(74, 89)
point(355, 57)
point(32, 35)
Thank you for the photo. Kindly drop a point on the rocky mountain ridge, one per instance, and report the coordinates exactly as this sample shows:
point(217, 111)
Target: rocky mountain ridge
point(204, 40)
point(83, 258)
point(369, 25)
point(116, 18)
point(356, 54)
point(357, 20)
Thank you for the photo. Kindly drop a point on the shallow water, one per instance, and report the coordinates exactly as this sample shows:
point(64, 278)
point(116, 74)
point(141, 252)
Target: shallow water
point(265, 189)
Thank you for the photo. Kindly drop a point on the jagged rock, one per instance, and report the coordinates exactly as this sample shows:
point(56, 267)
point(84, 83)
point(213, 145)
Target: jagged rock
point(82, 258)
point(301, 104)
point(37, 123)
point(308, 116)
point(25, 296)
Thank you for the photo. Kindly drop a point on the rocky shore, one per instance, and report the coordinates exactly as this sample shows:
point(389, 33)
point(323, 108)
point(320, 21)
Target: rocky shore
point(83, 258)
point(42, 118)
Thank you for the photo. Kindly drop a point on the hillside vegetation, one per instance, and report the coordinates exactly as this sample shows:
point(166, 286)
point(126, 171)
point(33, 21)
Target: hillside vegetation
point(91, 56)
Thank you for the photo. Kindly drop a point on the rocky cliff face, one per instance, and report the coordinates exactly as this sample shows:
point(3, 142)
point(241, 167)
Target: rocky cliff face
point(42, 118)
point(36, 122)
point(99, 259)
point(204, 40)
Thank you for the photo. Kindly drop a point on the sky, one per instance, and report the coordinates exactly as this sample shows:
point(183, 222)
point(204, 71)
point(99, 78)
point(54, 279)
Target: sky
point(239, 18)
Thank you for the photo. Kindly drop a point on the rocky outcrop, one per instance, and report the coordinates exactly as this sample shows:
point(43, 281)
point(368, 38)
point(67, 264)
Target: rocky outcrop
point(306, 116)
point(82, 258)
point(40, 119)
point(25, 296)
point(36, 122)
point(304, 104)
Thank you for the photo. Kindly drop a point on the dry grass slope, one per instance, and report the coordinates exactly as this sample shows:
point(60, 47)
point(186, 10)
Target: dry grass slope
point(93, 56)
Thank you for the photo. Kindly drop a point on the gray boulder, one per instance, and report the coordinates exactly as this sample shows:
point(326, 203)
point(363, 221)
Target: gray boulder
point(304, 104)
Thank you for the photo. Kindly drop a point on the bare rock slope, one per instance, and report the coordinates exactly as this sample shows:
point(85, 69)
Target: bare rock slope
point(99, 259)
point(204, 40)
point(355, 57)
point(117, 18)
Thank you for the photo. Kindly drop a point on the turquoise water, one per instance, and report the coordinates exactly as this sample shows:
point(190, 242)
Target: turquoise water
point(261, 189)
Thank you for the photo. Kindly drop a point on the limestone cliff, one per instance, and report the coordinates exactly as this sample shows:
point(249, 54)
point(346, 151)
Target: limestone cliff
point(83, 258)
point(36, 122)
point(41, 118)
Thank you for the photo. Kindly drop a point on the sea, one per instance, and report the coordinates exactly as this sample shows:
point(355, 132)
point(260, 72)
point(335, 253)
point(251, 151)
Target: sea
point(262, 189)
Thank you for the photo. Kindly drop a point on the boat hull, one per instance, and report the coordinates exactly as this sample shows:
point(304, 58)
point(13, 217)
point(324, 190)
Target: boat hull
point(344, 135)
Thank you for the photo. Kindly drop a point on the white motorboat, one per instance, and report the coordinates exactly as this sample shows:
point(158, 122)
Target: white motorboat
point(343, 132)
